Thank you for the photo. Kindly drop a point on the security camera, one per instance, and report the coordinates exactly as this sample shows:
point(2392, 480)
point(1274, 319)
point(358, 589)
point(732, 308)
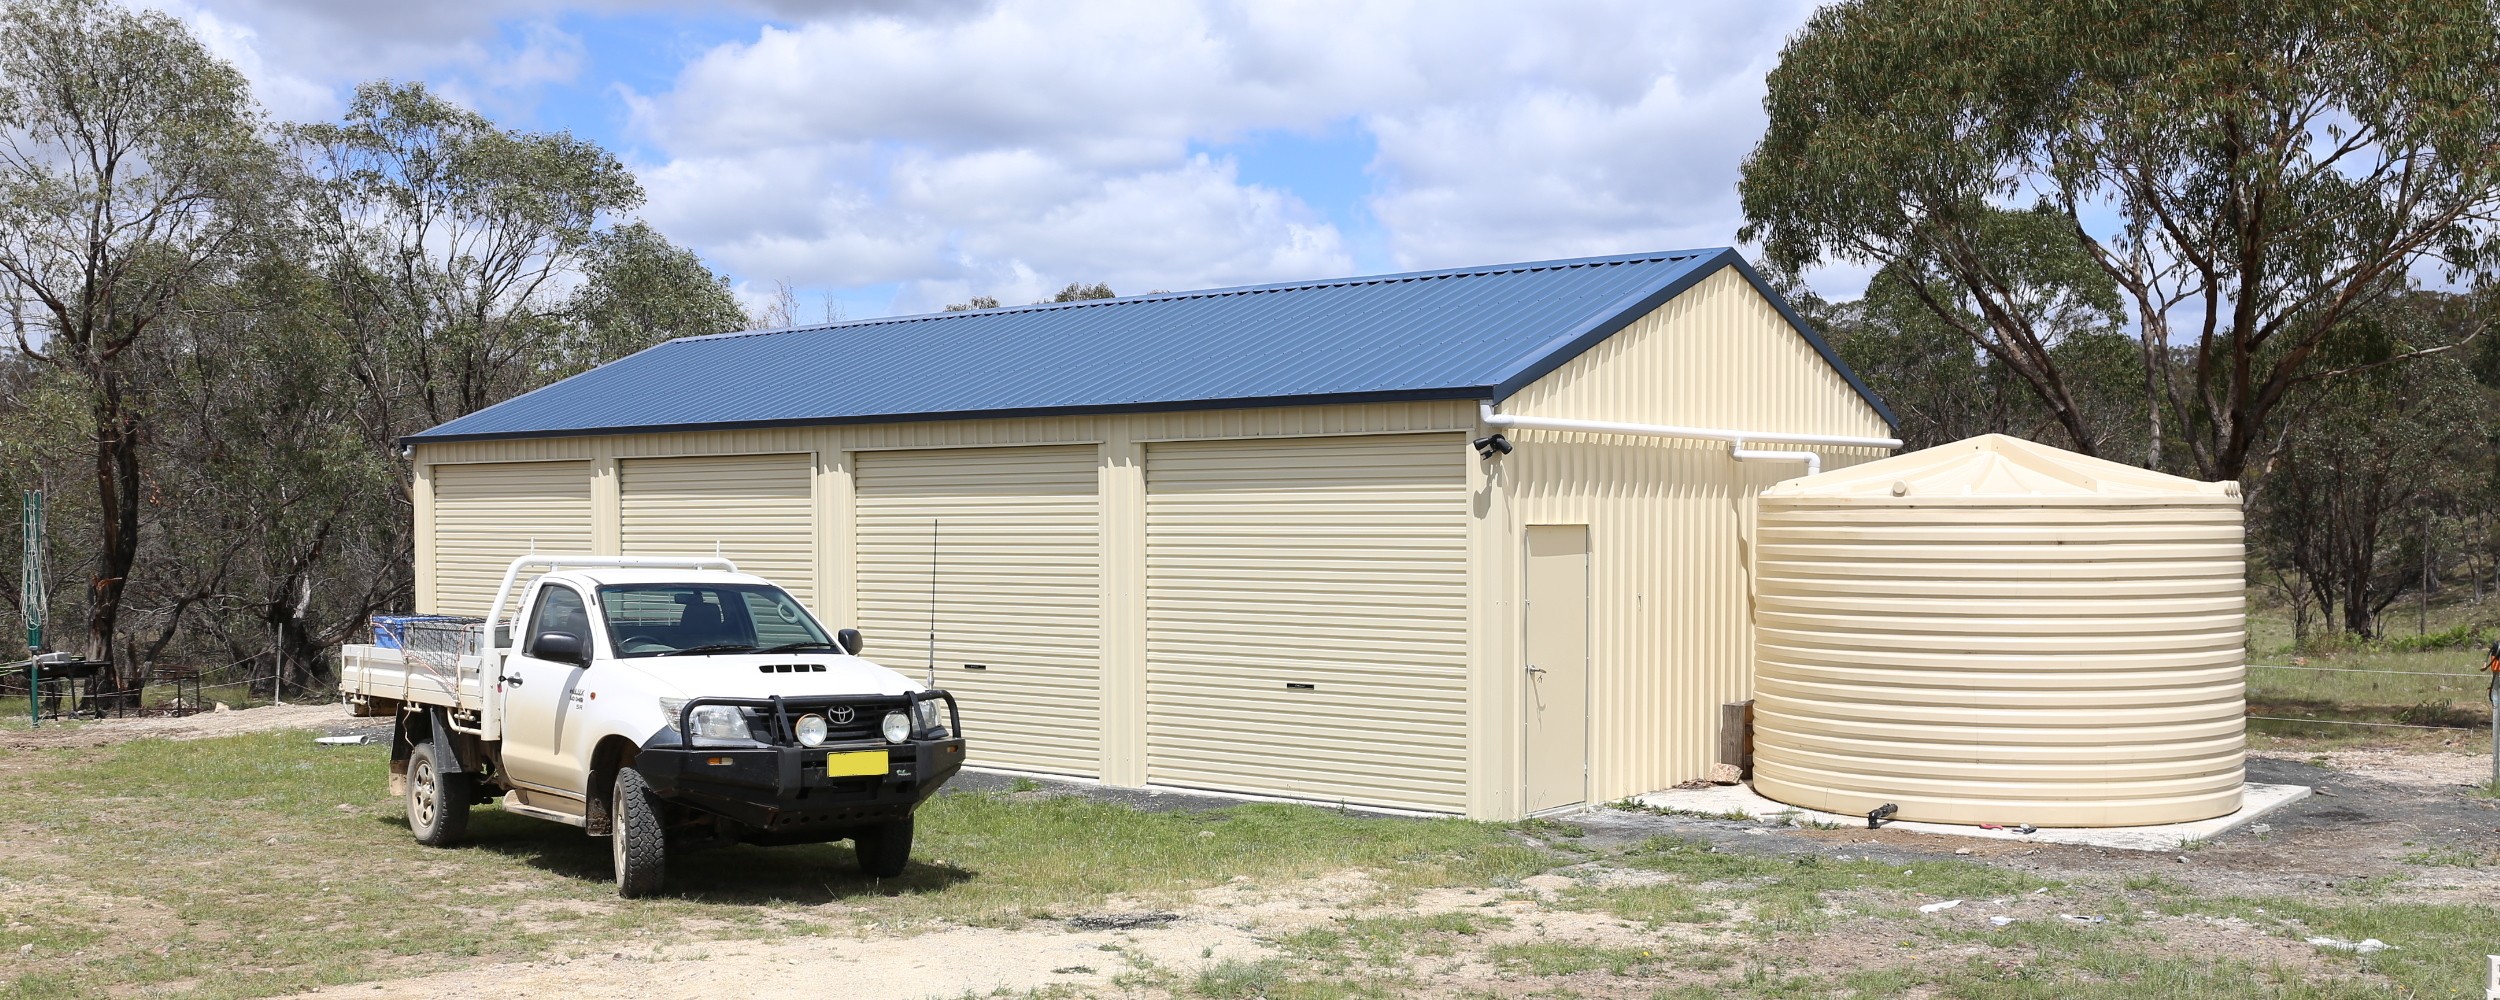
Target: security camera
point(1492, 445)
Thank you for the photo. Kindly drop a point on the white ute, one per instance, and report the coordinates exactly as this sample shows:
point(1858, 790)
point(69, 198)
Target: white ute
point(661, 703)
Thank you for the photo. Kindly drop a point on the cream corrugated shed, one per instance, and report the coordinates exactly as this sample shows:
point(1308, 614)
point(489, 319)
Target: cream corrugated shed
point(1241, 540)
point(1999, 631)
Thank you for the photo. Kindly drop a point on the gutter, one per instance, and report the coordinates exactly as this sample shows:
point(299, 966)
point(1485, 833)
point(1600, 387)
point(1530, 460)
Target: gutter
point(1737, 440)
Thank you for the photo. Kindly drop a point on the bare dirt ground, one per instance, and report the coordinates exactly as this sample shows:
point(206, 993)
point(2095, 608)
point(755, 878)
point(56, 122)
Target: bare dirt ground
point(2382, 816)
point(106, 732)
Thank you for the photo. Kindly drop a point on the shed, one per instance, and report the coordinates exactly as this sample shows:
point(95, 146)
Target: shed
point(1998, 631)
point(1461, 541)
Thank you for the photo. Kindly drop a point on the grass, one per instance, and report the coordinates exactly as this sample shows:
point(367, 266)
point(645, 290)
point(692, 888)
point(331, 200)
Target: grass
point(261, 864)
point(2383, 686)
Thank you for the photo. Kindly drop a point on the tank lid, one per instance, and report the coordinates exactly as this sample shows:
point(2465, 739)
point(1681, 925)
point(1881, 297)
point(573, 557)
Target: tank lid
point(1996, 465)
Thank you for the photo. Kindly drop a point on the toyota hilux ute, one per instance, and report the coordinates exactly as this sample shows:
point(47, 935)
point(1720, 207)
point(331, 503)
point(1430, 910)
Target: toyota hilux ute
point(661, 703)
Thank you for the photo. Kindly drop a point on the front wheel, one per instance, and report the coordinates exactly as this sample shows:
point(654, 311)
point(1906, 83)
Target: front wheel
point(883, 849)
point(438, 799)
point(635, 837)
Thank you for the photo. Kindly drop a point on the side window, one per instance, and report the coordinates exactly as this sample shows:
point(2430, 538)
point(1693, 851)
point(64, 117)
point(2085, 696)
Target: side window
point(559, 610)
point(778, 620)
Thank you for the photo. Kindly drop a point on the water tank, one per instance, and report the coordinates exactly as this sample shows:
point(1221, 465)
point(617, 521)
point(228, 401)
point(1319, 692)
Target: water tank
point(1997, 631)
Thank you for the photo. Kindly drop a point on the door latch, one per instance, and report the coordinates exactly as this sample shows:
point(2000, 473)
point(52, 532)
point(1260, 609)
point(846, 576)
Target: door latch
point(514, 680)
point(1534, 669)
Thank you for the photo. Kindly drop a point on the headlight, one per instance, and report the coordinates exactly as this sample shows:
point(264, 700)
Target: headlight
point(811, 730)
point(897, 727)
point(721, 722)
point(932, 716)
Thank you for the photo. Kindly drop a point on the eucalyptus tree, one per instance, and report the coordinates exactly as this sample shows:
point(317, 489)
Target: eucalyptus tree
point(451, 243)
point(132, 165)
point(638, 289)
point(2247, 175)
point(467, 263)
point(2379, 454)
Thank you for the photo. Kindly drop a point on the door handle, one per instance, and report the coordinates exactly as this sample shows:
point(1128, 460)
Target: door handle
point(514, 680)
point(1534, 669)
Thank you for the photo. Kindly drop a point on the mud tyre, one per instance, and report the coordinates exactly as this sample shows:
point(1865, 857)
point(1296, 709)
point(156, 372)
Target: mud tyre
point(438, 797)
point(883, 849)
point(636, 839)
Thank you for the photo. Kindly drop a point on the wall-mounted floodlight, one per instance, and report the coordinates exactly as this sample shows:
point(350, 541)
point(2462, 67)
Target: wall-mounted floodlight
point(1492, 445)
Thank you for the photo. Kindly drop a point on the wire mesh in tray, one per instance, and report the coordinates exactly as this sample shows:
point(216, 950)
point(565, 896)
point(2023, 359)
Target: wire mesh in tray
point(440, 642)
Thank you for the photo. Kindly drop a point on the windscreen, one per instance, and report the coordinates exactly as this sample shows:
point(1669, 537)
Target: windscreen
point(659, 619)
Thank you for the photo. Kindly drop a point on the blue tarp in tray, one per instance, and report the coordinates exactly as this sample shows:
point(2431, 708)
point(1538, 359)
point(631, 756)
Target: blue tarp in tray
point(391, 631)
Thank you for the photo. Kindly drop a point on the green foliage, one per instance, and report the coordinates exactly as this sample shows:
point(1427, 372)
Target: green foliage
point(2465, 636)
point(266, 320)
point(1078, 291)
point(446, 237)
point(2385, 447)
point(2246, 176)
point(640, 290)
point(132, 171)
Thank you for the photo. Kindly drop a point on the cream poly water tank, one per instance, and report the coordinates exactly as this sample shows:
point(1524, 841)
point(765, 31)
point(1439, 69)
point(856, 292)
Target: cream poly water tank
point(1997, 631)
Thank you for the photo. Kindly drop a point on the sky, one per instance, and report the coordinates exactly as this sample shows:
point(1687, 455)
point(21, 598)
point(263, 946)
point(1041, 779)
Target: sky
point(886, 157)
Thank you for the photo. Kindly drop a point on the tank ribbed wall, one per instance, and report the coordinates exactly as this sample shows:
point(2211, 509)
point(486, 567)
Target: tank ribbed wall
point(2060, 661)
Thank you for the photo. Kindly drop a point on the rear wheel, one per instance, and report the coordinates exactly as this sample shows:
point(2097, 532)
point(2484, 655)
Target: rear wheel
point(635, 837)
point(883, 849)
point(438, 799)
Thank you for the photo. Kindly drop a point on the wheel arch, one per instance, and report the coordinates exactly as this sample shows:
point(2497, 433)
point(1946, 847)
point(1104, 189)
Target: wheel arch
point(611, 754)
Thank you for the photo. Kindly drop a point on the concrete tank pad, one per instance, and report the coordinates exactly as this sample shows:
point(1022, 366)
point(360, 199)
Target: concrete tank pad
point(1734, 801)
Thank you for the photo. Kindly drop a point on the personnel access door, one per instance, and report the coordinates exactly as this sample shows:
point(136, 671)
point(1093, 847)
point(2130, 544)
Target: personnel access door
point(1557, 668)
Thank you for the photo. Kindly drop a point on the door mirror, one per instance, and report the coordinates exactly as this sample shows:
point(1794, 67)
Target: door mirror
point(561, 647)
point(850, 641)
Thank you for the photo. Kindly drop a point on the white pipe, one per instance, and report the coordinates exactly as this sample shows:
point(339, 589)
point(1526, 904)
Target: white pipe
point(1814, 462)
point(1492, 419)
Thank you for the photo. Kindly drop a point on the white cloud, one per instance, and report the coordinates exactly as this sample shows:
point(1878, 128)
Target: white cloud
point(1020, 146)
point(964, 148)
point(303, 57)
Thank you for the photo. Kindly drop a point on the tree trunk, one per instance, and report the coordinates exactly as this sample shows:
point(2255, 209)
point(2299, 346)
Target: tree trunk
point(117, 524)
point(2153, 364)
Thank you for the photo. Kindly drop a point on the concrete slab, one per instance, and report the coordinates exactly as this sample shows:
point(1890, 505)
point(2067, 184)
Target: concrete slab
point(1733, 800)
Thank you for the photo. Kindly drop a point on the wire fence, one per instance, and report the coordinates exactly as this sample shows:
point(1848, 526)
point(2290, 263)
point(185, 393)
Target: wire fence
point(2473, 675)
point(249, 681)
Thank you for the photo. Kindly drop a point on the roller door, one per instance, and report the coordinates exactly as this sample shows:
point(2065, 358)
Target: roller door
point(1016, 606)
point(487, 515)
point(758, 510)
point(1306, 616)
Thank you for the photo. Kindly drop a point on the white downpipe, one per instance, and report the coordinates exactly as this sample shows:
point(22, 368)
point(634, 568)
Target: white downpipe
point(1737, 440)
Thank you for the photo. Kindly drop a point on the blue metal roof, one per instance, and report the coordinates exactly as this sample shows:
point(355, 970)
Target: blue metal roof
point(1465, 333)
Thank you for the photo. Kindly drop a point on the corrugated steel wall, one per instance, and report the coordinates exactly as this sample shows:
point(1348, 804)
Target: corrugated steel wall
point(1013, 597)
point(1667, 527)
point(758, 510)
point(1306, 617)
point(1668, 519)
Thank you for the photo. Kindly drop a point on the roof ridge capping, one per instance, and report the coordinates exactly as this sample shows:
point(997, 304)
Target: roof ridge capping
point(1306, 284)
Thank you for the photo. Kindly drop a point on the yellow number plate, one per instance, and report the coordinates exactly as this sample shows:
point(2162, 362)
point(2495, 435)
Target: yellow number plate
point(855, 764)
